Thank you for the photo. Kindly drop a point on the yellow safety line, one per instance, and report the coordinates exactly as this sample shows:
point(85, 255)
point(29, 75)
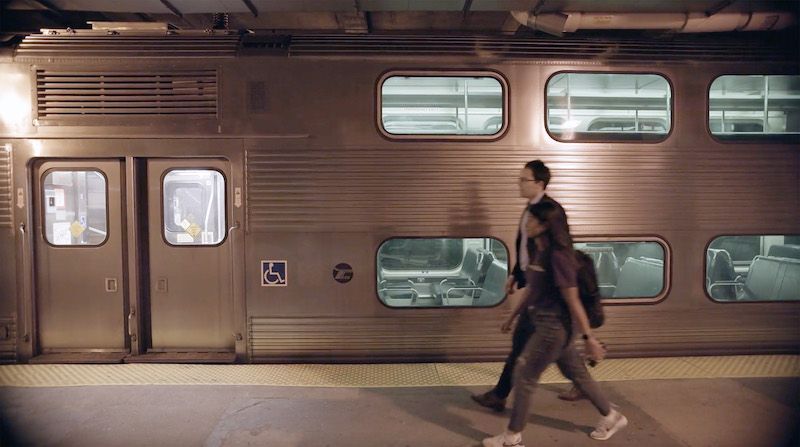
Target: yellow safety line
point(385, 375)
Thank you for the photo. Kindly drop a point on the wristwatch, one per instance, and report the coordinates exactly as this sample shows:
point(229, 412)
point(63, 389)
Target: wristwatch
point(585, 336)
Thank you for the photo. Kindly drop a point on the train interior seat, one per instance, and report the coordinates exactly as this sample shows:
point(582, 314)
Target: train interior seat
point(493, 287)
point(771, 278)
point(785, 251)
point(467, 286)
point(640, 277)
point(720, 274)
point(646, 250)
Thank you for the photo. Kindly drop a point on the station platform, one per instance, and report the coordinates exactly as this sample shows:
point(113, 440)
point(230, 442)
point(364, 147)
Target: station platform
point(669, 401)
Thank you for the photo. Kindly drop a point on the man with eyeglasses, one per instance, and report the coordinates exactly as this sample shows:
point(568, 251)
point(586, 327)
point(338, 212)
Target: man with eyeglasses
point(533, 180)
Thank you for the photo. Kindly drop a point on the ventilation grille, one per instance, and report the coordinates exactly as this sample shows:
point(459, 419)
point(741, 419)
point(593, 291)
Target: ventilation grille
point(74, 94)
point(5, 187)
point(699, 48)
point(42, 46)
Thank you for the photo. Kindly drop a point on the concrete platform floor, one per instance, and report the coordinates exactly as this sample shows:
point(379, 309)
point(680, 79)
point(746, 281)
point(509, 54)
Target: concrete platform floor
point(689, 412)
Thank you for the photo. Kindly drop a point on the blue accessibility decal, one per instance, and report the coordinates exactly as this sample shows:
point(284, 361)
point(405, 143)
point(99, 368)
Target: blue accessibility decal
point(273, 273)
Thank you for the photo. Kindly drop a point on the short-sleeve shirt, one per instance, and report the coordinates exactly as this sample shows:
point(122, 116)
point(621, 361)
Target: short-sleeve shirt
point(546, 278)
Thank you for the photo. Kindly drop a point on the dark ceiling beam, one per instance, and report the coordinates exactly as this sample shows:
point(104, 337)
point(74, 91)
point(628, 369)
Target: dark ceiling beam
point(718, 7)
point(172, 8)
point(49, 6)
point(251, 7)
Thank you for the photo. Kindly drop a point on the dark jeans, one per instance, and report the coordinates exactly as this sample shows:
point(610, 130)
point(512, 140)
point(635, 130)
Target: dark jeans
point(522, 333)
point(550, 343)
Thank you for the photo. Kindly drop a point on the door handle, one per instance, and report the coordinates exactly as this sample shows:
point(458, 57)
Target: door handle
point(161, 285)
point(111, 285)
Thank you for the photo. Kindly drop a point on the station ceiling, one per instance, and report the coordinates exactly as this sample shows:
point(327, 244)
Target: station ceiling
point(355, 16)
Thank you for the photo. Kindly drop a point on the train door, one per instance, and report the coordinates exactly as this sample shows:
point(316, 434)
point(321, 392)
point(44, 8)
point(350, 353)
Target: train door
point(80, 298)
point(190, 290)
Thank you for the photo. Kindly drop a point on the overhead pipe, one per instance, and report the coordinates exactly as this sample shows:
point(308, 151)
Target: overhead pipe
point(693, 22)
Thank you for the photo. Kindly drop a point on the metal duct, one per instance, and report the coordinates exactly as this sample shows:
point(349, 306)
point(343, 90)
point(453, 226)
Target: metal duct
point(695, 22)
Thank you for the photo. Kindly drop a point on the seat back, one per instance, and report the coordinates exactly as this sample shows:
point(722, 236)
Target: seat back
point(640, 278)
point(771, 278)
point(493, 288)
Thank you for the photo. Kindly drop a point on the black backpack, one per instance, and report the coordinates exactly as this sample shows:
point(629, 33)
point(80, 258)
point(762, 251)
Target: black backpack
point(588, 289)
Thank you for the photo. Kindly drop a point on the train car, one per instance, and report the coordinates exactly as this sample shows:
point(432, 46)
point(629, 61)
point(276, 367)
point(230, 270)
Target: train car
point(215, 197)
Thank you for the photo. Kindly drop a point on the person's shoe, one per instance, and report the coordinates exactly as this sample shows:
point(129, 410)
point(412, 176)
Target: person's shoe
point(504, 439)
point(573, 394)
point(608, 425)
point(490, 400)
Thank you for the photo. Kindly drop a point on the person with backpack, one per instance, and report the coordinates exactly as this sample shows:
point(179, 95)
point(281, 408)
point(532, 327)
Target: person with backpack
point(533, 180)
point(553, 298)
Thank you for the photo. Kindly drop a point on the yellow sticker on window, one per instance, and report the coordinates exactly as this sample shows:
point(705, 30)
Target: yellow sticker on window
point(193, 230)
point(76, 229)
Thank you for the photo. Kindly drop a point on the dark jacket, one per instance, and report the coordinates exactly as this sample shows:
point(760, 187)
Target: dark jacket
point(519, 271)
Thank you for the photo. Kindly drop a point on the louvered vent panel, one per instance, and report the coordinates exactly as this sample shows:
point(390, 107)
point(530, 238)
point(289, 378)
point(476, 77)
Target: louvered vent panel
point(5, 187)
point(74, 94)
point(65, 46)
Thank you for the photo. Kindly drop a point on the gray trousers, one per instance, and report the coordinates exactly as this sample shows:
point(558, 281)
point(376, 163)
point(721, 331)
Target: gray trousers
point(550, 343)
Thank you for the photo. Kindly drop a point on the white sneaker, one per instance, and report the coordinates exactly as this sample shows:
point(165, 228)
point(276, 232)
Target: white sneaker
point(504, 439)
point(608, 425)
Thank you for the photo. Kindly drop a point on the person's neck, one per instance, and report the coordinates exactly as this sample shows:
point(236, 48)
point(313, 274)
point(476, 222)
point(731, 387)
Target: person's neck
point(537, 198)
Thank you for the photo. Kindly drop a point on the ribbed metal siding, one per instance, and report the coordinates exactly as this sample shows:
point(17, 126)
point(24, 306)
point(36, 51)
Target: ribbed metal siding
point(6, 201)
point(61, 94)
point(628, 331)
point(469, 188)
point(677, 49)
point(35, 47)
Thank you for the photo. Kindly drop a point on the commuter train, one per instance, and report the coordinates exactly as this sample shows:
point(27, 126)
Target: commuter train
point(217, 197)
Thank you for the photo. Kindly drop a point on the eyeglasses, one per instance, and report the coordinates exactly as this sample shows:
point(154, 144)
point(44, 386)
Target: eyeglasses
point(523, 179)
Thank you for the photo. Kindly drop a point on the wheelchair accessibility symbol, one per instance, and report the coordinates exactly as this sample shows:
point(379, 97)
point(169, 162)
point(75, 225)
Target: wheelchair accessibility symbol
point(273, 274)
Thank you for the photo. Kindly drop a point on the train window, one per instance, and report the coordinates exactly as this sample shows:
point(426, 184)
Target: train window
point(442, 105)
point(753, 268)
point(626, 270)
point(608, 107)
point(442, 272)
point(75, 204)
point(739, 106)
point(194, 207)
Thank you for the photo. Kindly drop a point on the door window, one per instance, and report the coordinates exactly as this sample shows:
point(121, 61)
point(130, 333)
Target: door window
point(75, 204)
point(194, 207)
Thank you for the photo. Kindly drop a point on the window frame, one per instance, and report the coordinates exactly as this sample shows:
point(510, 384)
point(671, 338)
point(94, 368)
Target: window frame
point(504, 85)
point(163, 215)
point(746, 138)
point(603, 138)
point(43, 205)
point(667, 274)
point(705, 269)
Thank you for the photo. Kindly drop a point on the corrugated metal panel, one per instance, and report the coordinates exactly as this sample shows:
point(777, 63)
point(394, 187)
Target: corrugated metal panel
point(6, 201)
point(38, 46)
point(411, 336)
point(8, 340)
point(462, 336)
point(61, 94)
point(698, 48)
point(472, 188)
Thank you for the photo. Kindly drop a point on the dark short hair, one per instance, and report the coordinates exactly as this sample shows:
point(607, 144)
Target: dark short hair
point(540, 171)
point(558, 230)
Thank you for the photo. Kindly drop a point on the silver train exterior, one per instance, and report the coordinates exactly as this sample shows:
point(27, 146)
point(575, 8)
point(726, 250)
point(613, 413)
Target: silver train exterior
point(312, 180)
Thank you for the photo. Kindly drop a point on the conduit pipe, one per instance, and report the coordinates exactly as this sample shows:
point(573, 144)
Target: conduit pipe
point(693, 22)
